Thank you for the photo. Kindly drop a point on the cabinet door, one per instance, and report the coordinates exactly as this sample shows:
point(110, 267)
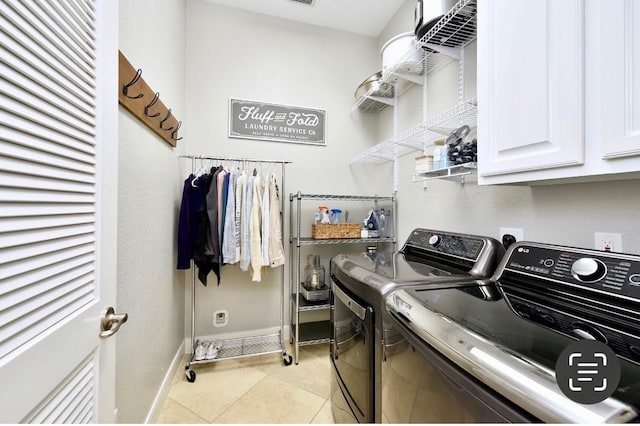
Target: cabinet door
point(530, 86)
point(619, 77)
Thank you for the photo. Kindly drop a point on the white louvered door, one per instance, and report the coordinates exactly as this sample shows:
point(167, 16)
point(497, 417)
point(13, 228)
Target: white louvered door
point(58, 201)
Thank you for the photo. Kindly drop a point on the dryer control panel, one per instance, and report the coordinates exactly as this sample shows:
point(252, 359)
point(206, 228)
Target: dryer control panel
point(614, 273)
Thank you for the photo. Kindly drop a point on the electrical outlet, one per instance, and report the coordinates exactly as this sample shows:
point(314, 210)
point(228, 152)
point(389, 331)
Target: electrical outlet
point(608, 241)
point(220, 318)
point(518, 233)
point(509, 236)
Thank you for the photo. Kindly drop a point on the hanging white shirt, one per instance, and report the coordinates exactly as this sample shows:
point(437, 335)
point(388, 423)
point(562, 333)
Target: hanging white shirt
point(255, 233)
point(276, 250)
point(265, 224)
point(229, 232)
point(247, 201)
point(240, 188)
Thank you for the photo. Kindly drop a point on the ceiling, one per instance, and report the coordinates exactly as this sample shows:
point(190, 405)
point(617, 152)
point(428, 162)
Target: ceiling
point(365, 17)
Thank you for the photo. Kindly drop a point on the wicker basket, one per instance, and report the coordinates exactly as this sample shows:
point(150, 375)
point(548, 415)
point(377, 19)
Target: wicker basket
point(325, 231)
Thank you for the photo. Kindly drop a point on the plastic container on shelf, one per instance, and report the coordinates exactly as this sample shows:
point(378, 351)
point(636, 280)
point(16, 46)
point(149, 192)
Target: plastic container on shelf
point(313, 273)
point(440, 158)
point(424, 163)
point(386, 223)
point(314, 288)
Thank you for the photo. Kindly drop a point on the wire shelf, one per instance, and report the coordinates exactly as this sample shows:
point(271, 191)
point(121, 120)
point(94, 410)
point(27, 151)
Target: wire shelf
point(245, 347)
point(456, 28)
point(313, 333)
point(339, 197)
point(456, 173)
point(418, 138)
point(312, 241)
point(438, 47)
point(305, 305)
point(465, 113)
point(370, 104)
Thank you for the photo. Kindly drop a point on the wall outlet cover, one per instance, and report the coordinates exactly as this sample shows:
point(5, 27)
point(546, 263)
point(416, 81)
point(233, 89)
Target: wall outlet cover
point(220, 318)
point(608, 241)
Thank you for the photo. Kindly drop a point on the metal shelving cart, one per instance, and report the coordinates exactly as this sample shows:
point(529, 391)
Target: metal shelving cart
point(316, 332)
point(247, 346)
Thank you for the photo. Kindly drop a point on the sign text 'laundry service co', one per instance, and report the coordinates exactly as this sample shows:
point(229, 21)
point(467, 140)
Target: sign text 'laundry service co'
point(281, 123)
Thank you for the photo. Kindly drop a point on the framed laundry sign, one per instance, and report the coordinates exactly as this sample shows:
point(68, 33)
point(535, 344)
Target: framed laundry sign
point(279, 123)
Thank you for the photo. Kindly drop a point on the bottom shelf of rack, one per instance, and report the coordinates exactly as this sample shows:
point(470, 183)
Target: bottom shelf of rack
point(458, 173)
point(243, 347)
point(305, 305)
point(313, 333)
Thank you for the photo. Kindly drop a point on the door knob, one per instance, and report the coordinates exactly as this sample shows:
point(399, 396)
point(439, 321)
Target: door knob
point(111, 322)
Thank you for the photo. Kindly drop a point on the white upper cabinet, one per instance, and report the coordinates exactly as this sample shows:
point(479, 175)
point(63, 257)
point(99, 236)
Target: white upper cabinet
point(530, 85)
point(558, 90)
point(619, 65)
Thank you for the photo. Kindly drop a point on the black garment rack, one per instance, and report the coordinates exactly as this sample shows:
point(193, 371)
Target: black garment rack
point(246, 346)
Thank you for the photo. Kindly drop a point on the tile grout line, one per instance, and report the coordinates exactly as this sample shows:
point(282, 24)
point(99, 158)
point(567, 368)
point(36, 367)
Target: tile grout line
point(300, 387)
point(319, 409)
point(286, 383)
point(279, 379)
point(241, 396)
point(186, 408)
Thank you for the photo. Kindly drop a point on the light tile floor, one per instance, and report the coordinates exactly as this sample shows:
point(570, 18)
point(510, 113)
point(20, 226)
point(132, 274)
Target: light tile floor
point(259, 389)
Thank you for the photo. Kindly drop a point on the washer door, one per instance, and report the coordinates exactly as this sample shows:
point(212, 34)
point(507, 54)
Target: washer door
point(352, 357)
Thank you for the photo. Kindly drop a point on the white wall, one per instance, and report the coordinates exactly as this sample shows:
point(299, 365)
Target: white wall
point(233, 53)
point(567, 214)
point(152, 37)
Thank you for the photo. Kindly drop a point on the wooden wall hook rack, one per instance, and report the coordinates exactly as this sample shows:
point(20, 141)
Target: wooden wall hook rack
point(141, 101)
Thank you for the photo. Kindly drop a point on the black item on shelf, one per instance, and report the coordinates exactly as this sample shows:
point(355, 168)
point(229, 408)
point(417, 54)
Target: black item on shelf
point(459, 151)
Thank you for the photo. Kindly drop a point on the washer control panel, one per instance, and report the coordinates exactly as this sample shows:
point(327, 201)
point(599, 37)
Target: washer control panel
point(464, 246)
point(614, 273)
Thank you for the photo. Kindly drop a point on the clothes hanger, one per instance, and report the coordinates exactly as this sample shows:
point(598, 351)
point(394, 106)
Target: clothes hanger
point(198, 173)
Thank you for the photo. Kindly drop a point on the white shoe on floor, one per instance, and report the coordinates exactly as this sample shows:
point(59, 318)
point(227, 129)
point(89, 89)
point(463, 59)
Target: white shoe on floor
point(201, 350)
point(212, 350)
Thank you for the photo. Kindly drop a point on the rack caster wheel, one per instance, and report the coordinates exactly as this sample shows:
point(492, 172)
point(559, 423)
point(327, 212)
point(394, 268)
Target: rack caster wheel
point(191, 376)
point(287, 359)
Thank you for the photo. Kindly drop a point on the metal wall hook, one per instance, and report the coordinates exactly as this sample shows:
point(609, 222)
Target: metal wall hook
point(152, 103)
point(125, 89)
point(175, 132)
point(165, 119)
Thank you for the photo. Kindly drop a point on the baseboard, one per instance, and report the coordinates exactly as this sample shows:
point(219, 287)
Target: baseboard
point(165, 387)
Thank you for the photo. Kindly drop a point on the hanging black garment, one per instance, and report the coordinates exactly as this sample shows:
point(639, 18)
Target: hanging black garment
point(205, 256)
point(212, 248)
point(192, 199)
